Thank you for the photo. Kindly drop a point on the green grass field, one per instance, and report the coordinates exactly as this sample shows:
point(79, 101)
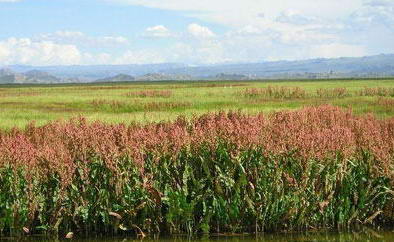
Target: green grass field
point(315, 168)
point(127, 102)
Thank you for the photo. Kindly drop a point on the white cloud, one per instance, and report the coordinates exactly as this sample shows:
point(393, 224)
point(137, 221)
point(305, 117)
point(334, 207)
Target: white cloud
point(293, 17)
point(240, 13)
point(256, 30)
point(208, 51)
point(158, 31)
point(379, 3)
point(373, 13)
point(200, 32)
point(26, 51)
point(269, 31)
point(248, 30)
point(67, 34)
point(205, 52)
point(29, 52)
point(9, 1)
point(303, 36)
point(113, 39)
point(335, 50)
point(265, 29)
point(97, 59)
point(81, 39)
point(140, 57)
point(288, 29)
point(4, 53)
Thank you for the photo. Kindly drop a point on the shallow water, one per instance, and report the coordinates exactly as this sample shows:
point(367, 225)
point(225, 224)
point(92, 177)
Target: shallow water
point(366, 235)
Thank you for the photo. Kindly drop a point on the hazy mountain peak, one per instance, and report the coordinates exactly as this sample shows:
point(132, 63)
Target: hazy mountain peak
point(368, 66)
point(6, 72)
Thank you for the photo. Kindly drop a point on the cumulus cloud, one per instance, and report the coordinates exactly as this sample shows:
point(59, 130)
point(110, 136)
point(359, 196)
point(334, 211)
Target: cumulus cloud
point(200, 32)
point(97, 59)
point(374, 13)
point(304, 36)
point(81, 39)
point(113, 39)
point(27, 51)
point(208, 51)
point(267, 26)
point(293, 17)
point(335, 50)
point(4, 52)
point(140, 57)
point(255, 30)
point(248, 30)
point(285, 33)
point(239, 13)
point(158, 31)
point(379, 3)
point(205, 52)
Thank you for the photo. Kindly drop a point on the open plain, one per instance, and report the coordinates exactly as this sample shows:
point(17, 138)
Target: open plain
point(145, 102)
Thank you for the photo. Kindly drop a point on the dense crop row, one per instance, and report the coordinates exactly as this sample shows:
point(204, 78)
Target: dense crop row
point(312, 168)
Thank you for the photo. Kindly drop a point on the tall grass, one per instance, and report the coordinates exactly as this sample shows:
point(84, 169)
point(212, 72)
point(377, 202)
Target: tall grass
point(150, 93)
point(386, 103)
point(338, 92)
point(319, 167)
point(282, 92)
point(19, 104)
point(135, 105)
point(377, 91)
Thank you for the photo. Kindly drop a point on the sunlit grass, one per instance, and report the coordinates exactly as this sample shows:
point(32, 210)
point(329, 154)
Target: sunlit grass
point(314, 168)
point(20, 105)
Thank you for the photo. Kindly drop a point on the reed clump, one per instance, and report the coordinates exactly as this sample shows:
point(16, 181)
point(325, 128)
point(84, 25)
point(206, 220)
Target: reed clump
point(319, 167)
point(136, 105)
point(150, 93)
point(113, 104)
point(386, 103)
point(338, 92)
point(377, 91)
point(275, 92)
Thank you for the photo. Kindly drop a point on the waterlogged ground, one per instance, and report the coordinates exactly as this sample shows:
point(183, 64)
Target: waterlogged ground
point(367, 235)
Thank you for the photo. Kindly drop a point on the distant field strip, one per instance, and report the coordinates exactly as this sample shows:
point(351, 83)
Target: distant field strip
point(144, 102)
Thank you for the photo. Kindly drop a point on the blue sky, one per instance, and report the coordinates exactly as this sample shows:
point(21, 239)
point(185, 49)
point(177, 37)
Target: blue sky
point(53, 32)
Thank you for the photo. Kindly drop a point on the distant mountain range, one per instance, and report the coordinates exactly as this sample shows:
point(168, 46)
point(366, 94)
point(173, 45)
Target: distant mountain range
point(117, 78)
point(94, 72)
point(8, 76)
point(341, 67)
point(369, 66)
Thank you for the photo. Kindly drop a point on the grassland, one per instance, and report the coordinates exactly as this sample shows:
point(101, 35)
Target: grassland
point(314, 168)
point(319, 167)
point(162, 101)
